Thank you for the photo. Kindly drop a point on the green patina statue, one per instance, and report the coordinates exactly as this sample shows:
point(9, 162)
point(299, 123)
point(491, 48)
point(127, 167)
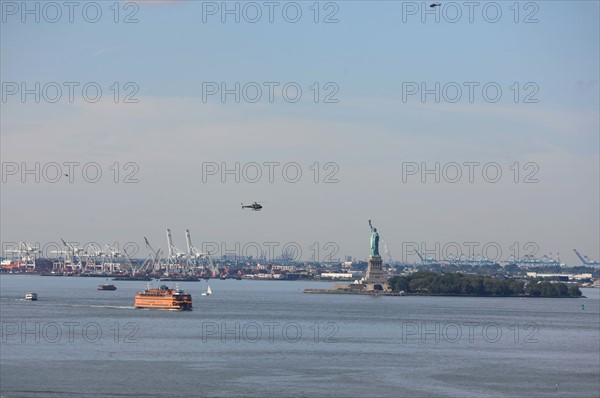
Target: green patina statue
point(374, 240)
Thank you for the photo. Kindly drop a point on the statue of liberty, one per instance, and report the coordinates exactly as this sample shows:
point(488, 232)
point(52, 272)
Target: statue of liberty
point(374, 240)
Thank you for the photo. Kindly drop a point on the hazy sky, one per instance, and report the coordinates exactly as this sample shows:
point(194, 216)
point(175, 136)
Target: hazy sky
point(360, 121)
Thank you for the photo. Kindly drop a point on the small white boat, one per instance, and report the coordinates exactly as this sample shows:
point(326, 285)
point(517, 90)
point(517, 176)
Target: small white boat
point(31, 296)
point(208, 292)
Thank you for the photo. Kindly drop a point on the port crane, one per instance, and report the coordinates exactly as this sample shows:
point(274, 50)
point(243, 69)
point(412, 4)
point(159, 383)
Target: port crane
point(74, 250)
point(26, 249)
point(134, 270)
point(13, 251)
point(174, 252)
point(425, 260)
point(586, 260)
point(531, 260)
point(59, 265)
point(93, 257)
point(154, 263)
point(109, 258)
point(23, 249)
point(114, 253)
point(27, 254)
point(95, 251)
point(194, 255)
point(175, 255)
point(72, 256)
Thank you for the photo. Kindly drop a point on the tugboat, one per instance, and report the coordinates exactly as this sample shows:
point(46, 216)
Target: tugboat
point(107, 287)
point(31, 296)
point(163, 298)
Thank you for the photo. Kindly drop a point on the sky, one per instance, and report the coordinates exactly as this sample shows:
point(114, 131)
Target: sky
point(468, 129)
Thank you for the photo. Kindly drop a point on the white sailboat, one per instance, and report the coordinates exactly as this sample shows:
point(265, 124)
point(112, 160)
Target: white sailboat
point(208, 292)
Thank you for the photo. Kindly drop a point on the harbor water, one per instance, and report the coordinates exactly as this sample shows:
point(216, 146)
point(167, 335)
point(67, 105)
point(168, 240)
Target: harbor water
point(269, 339)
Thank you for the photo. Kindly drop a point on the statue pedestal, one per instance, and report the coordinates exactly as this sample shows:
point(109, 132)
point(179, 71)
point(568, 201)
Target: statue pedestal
point(375, 280)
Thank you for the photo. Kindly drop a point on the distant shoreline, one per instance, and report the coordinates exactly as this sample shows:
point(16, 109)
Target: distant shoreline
point(372, 293)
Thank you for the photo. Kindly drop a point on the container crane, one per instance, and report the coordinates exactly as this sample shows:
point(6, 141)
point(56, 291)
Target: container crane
point(585, 259)
point(155, 258)
point(425, 260)
point(194, 254)
point(174, 253)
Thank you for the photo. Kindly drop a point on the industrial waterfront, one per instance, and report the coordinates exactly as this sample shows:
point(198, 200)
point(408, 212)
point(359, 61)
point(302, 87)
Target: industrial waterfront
point(193, 264)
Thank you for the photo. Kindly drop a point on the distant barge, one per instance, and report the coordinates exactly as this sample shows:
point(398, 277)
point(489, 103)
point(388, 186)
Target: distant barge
point(107, 287)
point(132, 278)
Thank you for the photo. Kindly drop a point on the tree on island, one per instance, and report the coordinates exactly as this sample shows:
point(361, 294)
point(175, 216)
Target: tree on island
point(457, 284)
point(549, 289)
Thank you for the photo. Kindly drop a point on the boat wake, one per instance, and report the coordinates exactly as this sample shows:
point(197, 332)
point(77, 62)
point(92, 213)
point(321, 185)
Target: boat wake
point(162, 309)
point(117, 307)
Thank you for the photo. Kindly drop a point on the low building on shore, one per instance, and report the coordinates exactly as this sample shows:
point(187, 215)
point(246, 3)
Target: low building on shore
point(337, 275)
point(561, 277)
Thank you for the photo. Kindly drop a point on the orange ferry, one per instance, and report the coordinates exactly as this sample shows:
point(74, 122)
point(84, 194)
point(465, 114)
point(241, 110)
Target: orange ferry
point(163, 298)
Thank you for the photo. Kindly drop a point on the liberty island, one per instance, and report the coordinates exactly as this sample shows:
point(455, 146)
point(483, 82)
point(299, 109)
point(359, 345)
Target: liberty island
point(374, 281)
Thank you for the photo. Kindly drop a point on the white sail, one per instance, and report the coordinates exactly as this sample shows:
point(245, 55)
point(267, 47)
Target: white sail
point(208, 292)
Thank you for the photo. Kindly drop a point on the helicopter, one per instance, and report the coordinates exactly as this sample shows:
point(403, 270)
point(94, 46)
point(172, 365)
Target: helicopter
point(254, 206)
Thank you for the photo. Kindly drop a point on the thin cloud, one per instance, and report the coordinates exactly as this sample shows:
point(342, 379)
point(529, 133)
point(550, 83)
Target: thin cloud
point(110, 49)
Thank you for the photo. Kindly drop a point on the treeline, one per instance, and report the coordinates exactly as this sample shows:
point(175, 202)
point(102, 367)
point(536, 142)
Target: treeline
point(457, 284)
point(549, 289)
